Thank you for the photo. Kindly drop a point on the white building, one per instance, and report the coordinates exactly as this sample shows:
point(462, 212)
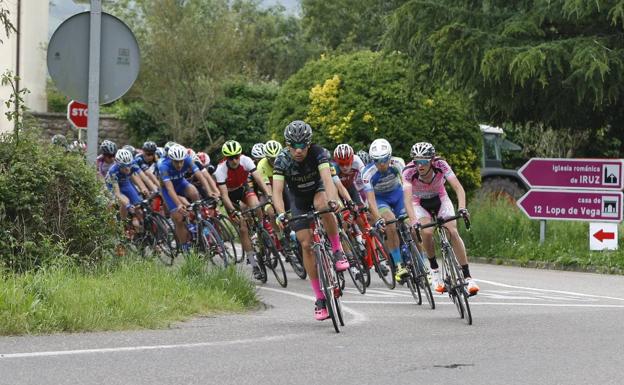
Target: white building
point(33, 40)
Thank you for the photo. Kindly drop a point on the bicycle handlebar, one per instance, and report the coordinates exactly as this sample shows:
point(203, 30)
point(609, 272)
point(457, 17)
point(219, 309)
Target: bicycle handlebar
point(439, 222)
point(311, 214)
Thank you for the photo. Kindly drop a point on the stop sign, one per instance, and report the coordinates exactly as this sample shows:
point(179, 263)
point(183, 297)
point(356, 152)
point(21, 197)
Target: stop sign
point(77, 114)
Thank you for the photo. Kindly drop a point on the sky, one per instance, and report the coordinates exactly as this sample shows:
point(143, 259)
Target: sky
point(62, 9)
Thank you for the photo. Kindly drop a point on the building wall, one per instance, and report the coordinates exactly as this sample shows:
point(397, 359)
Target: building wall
point(111, 128)
point(33, 66)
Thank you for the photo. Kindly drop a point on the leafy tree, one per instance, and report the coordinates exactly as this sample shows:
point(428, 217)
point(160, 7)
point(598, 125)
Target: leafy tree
point(346, 25)
point(556, 62)
point(356, 98)
point(5, 20)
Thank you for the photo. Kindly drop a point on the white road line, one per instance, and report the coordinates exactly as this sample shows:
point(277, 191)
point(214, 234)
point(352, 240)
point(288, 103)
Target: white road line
point(548, 291)
point(358, 317)
point(473, 303)
point(148, 347)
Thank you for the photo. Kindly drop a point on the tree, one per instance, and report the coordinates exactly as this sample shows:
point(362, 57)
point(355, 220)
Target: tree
point(5, 20)
point(346, 25)
point(557, 62)
point(356, 98)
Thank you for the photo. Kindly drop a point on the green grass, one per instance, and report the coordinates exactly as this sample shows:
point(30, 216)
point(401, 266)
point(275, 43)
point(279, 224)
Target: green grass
point(502, 232)
point(132, 295)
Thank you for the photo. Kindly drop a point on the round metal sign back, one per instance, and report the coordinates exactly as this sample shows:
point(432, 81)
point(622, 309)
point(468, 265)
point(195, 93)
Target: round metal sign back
point(68, 58)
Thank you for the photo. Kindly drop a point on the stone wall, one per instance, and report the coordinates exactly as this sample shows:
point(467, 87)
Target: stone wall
point(56, 123)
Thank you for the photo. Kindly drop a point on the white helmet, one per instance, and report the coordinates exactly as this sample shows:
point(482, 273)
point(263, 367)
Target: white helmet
point(257, 151)
point(380, 149)
point(422, 150)
point(124, 157)
point(177, 152)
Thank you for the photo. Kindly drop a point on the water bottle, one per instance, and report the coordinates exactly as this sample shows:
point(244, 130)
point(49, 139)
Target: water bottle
point(293, 236)
point(192, 228)
point(404, 251)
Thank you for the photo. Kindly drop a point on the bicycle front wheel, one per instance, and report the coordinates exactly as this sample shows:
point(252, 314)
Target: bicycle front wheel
point(383, 262)
point(323, 266)
point(163, 239)
point(422, 276)
point(218, 254)
point(273, 259)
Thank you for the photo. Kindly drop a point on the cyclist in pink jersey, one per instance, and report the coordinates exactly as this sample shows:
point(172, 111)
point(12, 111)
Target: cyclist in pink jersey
point(425, 177)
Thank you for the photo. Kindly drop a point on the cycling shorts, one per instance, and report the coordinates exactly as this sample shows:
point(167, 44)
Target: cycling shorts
point(130, 192)
point(179, 186)
point(442, 206)
point(241, 194)
point(302, 204)
point(392, 201)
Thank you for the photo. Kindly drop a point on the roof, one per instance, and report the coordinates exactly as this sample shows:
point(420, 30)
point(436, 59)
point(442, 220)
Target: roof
point(490, 129)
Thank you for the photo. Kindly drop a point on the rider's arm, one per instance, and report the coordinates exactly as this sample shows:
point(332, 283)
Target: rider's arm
point(407, 200)
point(225, 198)
point(138, 181)
point(326, 177)
point(278, 188)
point(342, 191)
point(459, 191)
point(148, 181)
point(257, 175)
point(372, 205)
point(117, 192)
point(213, 185)
point(202, 179)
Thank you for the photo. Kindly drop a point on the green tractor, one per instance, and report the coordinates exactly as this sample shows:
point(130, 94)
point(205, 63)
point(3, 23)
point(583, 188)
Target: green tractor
point(496, 180)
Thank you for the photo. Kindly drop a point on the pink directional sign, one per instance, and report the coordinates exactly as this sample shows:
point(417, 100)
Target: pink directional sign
point(595, 174)
point(601, 206)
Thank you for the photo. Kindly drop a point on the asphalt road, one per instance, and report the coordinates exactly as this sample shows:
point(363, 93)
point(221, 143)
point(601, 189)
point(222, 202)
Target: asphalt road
point(530, 327)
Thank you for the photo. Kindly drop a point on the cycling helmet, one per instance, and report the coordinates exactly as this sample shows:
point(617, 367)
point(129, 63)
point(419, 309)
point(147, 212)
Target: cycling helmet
point(231, 148)
point(257, 151)
point(177, 152)
point(380, 149)
point(272, 148)
point(363, 154)
point(160, 152)
point(192, 154)
point(168, 145)
point(150, 146)
point(298, 131)
point(59, 140)
point(343, 155)
point(422, 150)
point(130, 148)
point(108, 147)
point(204, 159)
point(123, 157)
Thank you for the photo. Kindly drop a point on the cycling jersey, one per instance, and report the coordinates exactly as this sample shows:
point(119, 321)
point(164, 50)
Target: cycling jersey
point(168, 172)
point(386, 182)
point(102, 167)
point(302, 177)
point(354, 176)
point(140, 161)
point(116, 176)
point(234, 178)
point(266, 170)
point(423, 190)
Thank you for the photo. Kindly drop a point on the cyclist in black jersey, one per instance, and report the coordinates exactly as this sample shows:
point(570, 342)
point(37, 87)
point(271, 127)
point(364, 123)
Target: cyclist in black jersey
point(304, 168)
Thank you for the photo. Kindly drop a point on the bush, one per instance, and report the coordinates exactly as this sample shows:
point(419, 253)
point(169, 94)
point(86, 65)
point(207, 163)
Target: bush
point(51, 204)
point(359, 97)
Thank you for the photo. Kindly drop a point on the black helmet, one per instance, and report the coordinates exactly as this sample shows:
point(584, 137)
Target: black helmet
point(298, 131)
point(108, 147)
point(149, 146)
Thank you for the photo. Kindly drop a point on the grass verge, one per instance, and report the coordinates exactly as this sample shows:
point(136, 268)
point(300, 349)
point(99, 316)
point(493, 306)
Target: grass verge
point(502, 233)
point(131, 295)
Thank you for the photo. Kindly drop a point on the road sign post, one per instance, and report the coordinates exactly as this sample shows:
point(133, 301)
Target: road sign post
point(95, 33)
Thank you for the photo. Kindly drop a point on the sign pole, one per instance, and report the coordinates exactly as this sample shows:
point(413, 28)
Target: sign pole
point(94, 79)
point(542, 232)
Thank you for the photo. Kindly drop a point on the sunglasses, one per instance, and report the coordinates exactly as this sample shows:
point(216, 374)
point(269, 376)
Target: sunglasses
point(382, 160)
point(109, 156)
point(298, 146)
point(148, 153)
point(235, 157)
point(422, 162)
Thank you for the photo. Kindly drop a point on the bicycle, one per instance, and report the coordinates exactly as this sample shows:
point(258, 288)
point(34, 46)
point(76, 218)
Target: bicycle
point(225, 229)
point(156, 235)
point(353, 255)
point(417, 279)
point(267, 254)
point(452, 274)
point(376, 253)
point(290, 247)
point(325, 266)
point(205, 237)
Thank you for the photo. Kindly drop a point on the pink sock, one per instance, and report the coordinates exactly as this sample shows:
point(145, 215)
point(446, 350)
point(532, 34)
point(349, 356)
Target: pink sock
point(316, 287)
point(335, 242)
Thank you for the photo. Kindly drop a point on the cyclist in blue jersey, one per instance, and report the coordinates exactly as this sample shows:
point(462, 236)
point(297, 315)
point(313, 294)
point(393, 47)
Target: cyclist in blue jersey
point(171, 171)
point(122, 178)
point(147, 160)
point(383, 184)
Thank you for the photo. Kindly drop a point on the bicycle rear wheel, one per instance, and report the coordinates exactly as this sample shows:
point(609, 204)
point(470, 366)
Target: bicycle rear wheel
point(412, 283)
point(273, 259)
point(451, 280)
point(323, 264)
point(296, 260)
point(381, 257)
point(163, 239)
point(229, 233)
point(218, 253)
